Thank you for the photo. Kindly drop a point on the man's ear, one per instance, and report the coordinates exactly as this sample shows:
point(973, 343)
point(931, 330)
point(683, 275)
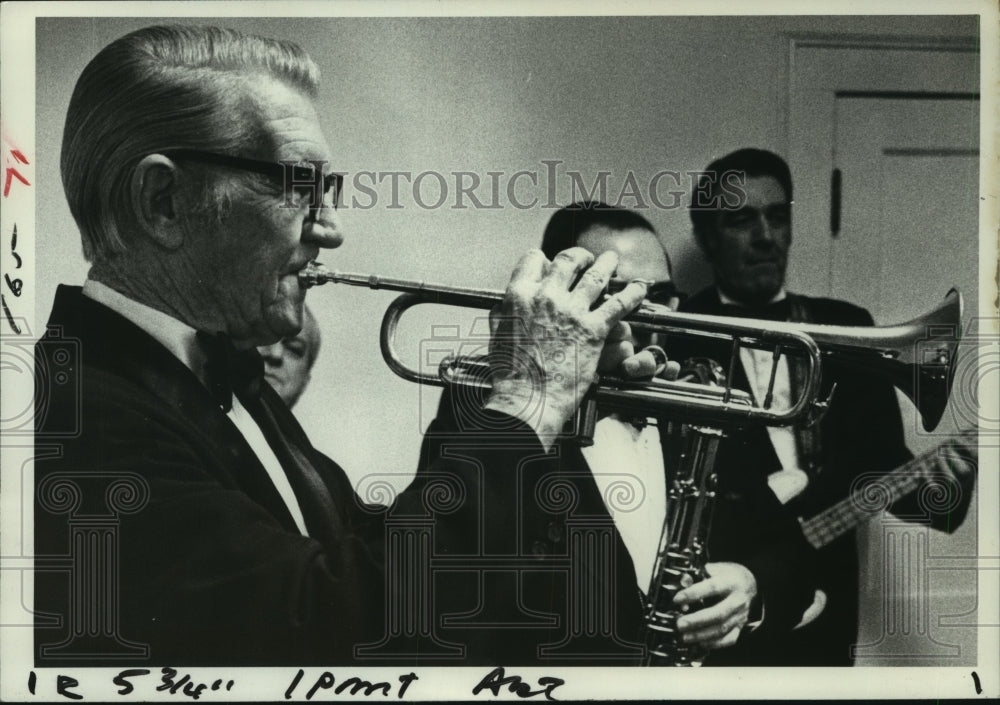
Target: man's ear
point(155, 200)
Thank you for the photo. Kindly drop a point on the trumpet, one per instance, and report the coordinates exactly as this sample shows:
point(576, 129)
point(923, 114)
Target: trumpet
point(917, 357)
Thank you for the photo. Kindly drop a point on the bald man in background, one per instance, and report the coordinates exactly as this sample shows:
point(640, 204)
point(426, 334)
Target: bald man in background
point(288, 363)
point(753, 548)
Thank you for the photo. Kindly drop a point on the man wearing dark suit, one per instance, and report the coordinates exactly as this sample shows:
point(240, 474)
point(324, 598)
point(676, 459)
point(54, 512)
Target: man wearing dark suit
point(182, 515)
point(741, 214)
point(753, 548)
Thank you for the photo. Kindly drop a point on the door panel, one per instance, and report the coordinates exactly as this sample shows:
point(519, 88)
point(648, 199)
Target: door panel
point(909, 207)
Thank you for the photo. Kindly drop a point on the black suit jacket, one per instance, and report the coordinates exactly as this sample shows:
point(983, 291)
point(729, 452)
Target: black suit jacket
point(161, 538)
point(748, 528)
point(861, 432)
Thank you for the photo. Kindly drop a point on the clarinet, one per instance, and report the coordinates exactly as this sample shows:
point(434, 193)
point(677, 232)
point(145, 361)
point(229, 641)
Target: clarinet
point(682, 552)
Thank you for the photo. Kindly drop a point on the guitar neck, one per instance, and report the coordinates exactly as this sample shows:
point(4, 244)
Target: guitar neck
point(837, 520)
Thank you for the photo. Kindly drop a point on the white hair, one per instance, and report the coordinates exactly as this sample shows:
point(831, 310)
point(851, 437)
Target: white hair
point(156, 89)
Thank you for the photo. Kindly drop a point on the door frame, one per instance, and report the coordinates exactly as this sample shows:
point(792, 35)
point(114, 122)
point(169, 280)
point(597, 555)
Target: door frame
point(810, 146)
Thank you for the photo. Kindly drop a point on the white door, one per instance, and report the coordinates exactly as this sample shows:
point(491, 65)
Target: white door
point(908, 169)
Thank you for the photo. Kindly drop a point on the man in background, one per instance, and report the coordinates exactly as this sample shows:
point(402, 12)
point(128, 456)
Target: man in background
point(741, 215)
point(288, 363)
point(753, 548)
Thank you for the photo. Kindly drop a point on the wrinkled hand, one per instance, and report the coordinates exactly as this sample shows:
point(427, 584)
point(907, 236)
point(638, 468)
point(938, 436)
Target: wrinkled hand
point(718, 625)
point(546, 341)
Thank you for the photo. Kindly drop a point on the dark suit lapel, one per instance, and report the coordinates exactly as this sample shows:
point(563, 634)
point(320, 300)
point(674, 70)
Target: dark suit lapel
point(111, 342)
point(321, 510)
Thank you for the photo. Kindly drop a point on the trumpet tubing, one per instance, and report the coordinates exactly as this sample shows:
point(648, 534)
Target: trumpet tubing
point(918, 356)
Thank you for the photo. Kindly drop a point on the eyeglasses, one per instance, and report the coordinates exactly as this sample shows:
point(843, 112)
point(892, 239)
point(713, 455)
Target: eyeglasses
point(657, 292)
point(293, 176)
point(663, 292)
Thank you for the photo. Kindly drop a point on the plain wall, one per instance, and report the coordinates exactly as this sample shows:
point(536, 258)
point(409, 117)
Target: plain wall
point(638, 95)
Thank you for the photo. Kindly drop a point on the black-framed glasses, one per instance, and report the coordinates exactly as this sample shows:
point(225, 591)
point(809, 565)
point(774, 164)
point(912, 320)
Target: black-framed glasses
point(663, 292)
point(658, 292)
point(292, 175)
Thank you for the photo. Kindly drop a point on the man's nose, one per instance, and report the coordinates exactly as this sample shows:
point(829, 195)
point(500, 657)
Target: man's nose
point(324, 228)
point(763, 231)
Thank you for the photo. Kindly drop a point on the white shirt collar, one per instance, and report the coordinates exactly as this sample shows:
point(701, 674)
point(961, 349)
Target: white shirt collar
point(176, 336)
point(780, 296)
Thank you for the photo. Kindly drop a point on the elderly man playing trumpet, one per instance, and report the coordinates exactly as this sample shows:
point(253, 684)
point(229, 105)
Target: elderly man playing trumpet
point(196, 169)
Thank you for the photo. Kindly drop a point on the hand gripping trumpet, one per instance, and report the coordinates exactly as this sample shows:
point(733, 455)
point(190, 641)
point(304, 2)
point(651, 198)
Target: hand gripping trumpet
point(917, 357)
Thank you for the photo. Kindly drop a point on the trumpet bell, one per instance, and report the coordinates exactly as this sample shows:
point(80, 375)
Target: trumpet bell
point(918, 357)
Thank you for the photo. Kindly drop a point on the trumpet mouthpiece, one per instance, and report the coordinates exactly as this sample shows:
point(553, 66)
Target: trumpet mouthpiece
point(313, 274)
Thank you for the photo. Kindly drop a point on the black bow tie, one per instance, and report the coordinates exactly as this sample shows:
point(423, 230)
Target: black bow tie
point(230, 371)
point(777, 311)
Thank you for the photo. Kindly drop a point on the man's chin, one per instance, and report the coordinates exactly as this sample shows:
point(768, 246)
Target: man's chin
point(284, 321)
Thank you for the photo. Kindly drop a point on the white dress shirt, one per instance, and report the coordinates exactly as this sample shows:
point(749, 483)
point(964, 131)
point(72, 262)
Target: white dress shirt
point(627, 465)
point(180, 339)
point(757, 365)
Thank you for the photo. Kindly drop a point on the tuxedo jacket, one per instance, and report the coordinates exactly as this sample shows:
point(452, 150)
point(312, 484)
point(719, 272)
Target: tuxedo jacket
point(161, 539)
point(861, 432)
point(748, 527)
